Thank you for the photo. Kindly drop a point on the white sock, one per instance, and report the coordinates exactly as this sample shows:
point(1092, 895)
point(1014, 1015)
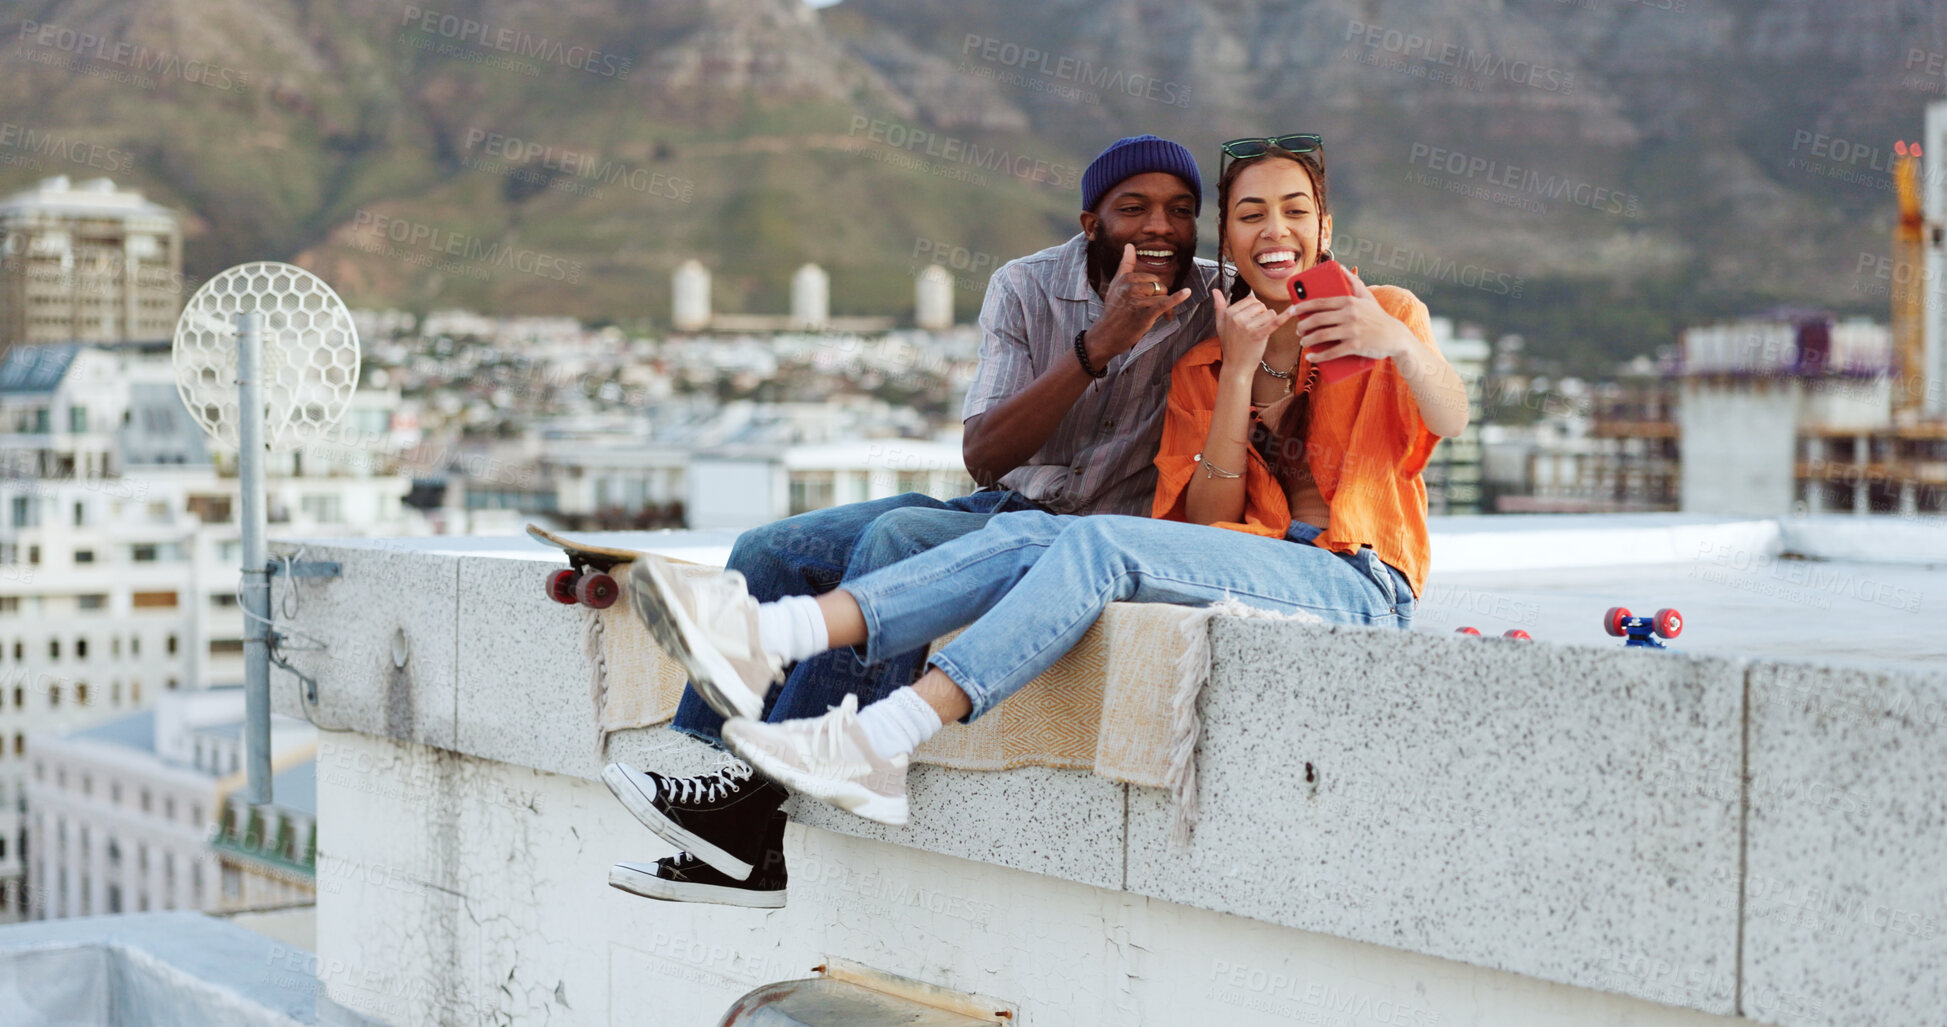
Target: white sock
point(899, 723)
point(792, 628)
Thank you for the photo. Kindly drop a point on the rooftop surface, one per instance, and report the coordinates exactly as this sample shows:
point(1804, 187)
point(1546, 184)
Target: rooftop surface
point(296, 787)
point(1818, 611)
point(173, 967)
point(27, 369)
point(135, 731)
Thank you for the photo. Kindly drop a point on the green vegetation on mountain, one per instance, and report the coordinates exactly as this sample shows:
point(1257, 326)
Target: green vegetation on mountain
point(1634, 168)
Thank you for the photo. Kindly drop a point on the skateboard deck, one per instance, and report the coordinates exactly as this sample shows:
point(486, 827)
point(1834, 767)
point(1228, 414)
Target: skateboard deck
point(589, 579)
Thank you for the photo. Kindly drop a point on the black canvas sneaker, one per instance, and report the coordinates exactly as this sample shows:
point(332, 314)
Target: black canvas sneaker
point(684, 878)
point(719, 817)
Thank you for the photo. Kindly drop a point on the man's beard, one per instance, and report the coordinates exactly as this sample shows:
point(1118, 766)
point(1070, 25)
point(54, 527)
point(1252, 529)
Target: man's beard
point(1104, 257)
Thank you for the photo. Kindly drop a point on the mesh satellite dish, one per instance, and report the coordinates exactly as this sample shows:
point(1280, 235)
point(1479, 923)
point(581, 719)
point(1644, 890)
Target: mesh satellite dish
point(266, 358)
point(310, 351)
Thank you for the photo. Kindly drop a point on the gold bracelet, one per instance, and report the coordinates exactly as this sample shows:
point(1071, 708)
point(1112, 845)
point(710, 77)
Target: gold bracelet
point(1211, 470)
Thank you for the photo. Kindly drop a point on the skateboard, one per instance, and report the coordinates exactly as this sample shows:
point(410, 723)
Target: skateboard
point(1515, 633)
point(587, 579)
point(1643, 632)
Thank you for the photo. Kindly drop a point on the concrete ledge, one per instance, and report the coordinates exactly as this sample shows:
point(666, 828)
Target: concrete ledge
point(388, 628)
point(1462, 797)
point(498, 912)
point(1062, 823)
point(524, 673)
point(1846, 889)
point(1571, 815)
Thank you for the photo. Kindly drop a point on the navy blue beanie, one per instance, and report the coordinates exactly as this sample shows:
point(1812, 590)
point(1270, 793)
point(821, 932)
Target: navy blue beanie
point(1134, 156)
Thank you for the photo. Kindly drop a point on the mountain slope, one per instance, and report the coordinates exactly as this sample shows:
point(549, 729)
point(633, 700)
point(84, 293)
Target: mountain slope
point(519, 156)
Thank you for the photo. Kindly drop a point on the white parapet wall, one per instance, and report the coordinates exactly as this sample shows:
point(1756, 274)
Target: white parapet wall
point(1396, 829)
point(496, 910)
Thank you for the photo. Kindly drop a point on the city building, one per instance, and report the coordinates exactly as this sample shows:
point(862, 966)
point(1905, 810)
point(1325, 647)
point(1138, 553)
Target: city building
point(1453, 475)
point(87, 263)
point(120, 545)
point(615, 483)
point(1635, 460)
point(606, 439)
point(739, 487)
point(1926, 232)
point(145, 812)
point(1796, 413)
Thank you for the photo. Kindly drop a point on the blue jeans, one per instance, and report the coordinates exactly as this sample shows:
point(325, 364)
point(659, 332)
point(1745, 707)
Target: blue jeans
point(1030, 584)
point(813, 553)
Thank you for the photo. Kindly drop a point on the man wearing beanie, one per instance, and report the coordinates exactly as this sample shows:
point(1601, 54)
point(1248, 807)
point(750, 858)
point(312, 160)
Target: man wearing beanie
point(1077, 342)
point(1065, 414)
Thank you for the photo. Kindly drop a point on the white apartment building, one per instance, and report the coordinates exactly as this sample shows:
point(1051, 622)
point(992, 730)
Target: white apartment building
point(589, 477)
point(745, 486)
point(119, 543)
point(145, 812)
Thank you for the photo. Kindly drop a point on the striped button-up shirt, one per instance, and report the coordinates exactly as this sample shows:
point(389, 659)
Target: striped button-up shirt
point(1101, 457)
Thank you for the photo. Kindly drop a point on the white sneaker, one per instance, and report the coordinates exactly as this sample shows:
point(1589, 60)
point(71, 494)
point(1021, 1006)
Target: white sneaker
point(709, 625)
point(827, 758)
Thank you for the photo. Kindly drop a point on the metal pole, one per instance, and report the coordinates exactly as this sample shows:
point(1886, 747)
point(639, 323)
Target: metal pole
point(256, 558)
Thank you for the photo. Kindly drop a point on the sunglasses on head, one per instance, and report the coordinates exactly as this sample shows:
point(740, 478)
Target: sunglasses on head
point(1296, 142)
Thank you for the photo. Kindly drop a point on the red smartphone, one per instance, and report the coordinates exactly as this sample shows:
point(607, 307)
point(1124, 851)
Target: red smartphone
point(1328, 278)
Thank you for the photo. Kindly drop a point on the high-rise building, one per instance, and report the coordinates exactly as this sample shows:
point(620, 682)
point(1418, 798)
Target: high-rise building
point(87, 263)
point(1453, 475)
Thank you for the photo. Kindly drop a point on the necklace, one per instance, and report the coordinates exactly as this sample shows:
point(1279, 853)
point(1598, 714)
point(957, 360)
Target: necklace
point(1283, 376)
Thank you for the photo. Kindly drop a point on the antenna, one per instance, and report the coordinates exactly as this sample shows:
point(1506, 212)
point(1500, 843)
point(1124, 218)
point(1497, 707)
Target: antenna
point(266, 357)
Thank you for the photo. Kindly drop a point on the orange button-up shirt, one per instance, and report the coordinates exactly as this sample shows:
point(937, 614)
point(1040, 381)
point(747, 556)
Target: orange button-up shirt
point(1367, 447)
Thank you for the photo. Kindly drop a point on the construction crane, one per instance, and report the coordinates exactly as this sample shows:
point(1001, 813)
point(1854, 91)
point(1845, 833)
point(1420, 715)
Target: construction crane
point(1909, 307)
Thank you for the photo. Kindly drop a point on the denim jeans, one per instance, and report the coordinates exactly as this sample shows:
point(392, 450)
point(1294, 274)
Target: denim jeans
point(1027, 586)
point(812, 553)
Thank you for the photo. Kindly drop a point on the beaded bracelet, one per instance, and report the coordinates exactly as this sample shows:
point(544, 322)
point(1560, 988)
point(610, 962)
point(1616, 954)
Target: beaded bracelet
point(1081, 354)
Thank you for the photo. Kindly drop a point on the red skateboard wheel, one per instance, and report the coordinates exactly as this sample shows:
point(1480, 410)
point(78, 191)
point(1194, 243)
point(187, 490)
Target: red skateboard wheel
point(597, 590)
point(1668, 623)
point(1612, 622)
point(561, 587)
point(1517, 633)
point(1467, 631)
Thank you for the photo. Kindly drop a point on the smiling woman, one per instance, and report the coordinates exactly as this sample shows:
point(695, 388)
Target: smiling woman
point(1275, 224)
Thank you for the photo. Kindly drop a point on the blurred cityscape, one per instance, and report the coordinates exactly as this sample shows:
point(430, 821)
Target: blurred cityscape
point(119, 545)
